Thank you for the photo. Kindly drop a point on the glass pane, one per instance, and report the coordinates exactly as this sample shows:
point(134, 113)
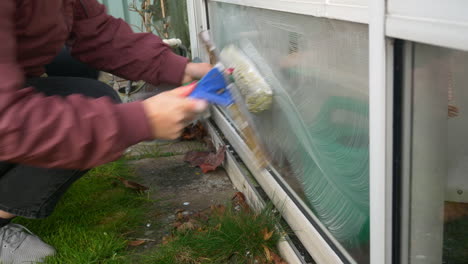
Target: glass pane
point(439, 182)
point(317, 127)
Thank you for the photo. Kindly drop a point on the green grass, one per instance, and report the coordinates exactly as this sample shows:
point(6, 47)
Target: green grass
point(89, 221)
point(231, 237)
point(148, 151)
point(456, 242)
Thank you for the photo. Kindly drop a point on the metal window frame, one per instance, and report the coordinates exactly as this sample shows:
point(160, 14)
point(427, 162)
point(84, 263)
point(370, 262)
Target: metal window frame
point(197, 17)
point(449, 34)
point(381, 134)
point(406, 165)
point(443, 31)
point(357, 12)
point(241, 180)
point(439, 22)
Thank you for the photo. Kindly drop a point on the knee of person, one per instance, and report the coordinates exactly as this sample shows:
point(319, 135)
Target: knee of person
point(108, 91)
point(65, 86)
point(64, 65)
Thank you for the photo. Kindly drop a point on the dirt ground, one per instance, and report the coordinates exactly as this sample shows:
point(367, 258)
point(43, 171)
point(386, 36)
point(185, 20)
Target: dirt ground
point(175, 186)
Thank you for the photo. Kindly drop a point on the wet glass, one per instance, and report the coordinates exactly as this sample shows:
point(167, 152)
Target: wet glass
point(316, 130)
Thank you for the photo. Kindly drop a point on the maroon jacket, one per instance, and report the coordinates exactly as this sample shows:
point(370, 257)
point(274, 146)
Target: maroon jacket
point(73, 132)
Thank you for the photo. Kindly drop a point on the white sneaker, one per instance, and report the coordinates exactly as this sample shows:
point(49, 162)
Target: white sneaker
point(18, 245)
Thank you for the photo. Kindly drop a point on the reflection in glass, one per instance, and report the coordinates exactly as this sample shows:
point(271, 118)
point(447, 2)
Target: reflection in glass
point(438, 216)
point(317, 127)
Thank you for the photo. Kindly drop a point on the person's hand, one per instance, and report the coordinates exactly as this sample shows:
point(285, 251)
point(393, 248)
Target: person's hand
point(170, 112)
point(195, 71)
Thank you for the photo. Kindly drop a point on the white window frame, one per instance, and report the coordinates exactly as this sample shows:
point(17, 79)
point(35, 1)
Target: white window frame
point(405, 20)
point(380, 137)
point(439, 33)
point(355, 12)
point(317, 245)
point(383, 27)
point(197, 18)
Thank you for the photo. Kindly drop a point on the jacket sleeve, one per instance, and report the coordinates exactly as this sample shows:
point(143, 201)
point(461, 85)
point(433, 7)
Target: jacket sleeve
point(109, 44)
point(60, 132)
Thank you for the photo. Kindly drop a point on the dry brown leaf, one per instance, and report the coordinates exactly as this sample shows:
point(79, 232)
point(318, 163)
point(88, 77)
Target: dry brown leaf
point(180, 216)
point(179, 210)
point(218, 209)
point(267, 252)
point(267, 235)
point(209, 143)
point(196, 158)
point(166, 239)
point(186, 226)
point(194, 132)
point(136, 243)
point(201, 216)
point(133, 185)
point(207, 161)
point(239, 199)
point(277, 259)
point(177, 224)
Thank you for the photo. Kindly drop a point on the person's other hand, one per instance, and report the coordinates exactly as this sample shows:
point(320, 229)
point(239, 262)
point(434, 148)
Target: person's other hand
point(195, 71)
point(170, 112)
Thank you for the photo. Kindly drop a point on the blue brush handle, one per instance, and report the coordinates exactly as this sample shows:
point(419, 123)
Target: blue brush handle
point(213, 88)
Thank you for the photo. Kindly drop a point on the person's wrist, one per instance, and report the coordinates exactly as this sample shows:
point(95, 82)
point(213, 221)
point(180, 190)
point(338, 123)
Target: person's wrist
point(186, 79)
point(188, 73)
point(195, 71)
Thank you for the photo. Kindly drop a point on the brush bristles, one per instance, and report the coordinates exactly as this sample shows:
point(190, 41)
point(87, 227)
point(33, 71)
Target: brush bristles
point(257, 93)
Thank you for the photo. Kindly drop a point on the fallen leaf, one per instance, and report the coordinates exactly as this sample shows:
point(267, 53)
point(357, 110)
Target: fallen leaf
point(194, 132)
point(136, 243)
point(240, 200)
point(180, 216)
point(218, 209)
point(196, 158)
point(277, 259)
point(267, 252)
point(201, 216)
point(207, 161)
point(267, 235)
point(186, 226)
point(167, 239)
point(133, 185)
point(209, 143)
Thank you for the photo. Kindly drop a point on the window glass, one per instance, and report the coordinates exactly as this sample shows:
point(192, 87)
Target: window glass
point(439, 159)
point(316, 129)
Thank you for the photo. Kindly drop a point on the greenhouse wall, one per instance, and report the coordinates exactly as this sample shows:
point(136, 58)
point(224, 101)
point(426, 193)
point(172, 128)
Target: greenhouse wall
point(119, 8)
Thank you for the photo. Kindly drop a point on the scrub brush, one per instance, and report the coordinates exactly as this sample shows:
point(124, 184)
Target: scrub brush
point(213, 88)
point(256, 92)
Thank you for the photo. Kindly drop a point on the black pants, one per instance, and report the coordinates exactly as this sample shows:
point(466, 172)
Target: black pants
point(33, 192)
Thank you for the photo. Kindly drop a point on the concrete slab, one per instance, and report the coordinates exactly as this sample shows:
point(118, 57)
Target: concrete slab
point(174, 185)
